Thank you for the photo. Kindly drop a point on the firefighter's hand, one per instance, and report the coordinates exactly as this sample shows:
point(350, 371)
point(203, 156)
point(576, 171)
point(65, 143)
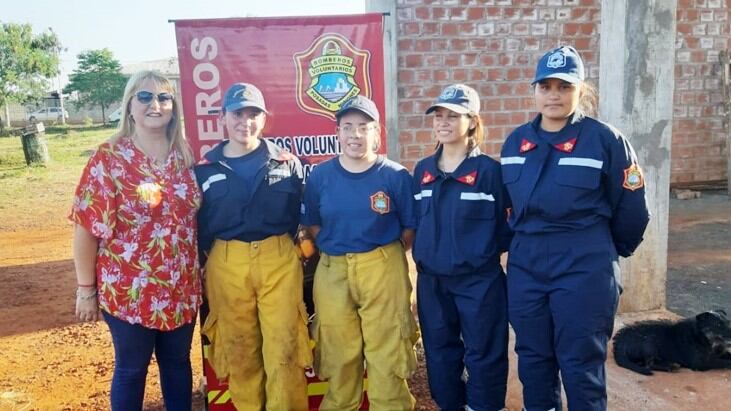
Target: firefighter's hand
point(306, 244)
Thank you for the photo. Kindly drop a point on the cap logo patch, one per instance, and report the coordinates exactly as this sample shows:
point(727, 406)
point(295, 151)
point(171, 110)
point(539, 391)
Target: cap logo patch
point(556, 60)
point(448, 93)
point(380, 203)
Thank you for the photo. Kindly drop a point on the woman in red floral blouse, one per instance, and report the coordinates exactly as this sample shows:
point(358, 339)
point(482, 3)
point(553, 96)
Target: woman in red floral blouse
point(135, 246)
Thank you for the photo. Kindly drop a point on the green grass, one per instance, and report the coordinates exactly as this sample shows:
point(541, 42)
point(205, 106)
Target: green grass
point(41, 196)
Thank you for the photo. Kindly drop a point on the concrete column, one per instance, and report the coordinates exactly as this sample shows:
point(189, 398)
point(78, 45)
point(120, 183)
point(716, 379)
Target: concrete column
point(637, 61)
point(390, 75)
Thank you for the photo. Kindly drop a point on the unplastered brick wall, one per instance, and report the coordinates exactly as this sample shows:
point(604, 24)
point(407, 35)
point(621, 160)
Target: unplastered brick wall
point(699, 150)
point(494, 45)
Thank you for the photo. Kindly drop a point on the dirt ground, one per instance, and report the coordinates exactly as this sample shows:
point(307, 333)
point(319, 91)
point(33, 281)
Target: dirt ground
point(49, 362)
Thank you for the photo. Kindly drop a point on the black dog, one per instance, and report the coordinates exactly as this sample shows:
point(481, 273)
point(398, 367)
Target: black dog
point(700, 343)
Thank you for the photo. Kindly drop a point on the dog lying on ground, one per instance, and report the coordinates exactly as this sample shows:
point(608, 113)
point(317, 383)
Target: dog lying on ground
point(699, 343)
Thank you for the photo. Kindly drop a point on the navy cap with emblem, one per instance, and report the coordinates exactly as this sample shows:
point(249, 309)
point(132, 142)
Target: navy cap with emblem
point(362, 104)
point(459, 98)
point(242, 95)
point(562, 63)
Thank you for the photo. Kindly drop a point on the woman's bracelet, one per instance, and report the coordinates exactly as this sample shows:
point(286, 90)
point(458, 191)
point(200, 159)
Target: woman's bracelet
point(86, 285)
point(87, 297)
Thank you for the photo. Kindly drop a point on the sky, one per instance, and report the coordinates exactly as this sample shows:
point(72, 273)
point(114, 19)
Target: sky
point(138, 30)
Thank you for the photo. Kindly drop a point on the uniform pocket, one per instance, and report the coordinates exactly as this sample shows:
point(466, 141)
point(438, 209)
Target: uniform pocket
point(511, 171)
point(320, 367)
point(405, 364)
point(579, 177)
point(304, 352)
point(216, 354)
point(215, 186)
point(477, 206)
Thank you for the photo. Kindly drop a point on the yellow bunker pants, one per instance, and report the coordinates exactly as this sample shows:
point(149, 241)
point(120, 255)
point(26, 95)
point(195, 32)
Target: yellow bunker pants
point(257, 324)
point(363, 310)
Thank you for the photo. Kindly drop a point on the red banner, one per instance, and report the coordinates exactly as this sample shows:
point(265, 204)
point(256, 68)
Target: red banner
point(306, 67)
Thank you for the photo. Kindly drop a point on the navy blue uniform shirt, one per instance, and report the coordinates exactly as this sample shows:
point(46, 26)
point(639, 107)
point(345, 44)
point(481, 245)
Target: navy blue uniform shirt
point(358, 212)
point(585, 174)
point(463, 225)
point(233, 210)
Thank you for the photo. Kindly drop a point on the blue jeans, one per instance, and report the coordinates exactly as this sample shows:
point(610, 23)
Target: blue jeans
point(133, 346)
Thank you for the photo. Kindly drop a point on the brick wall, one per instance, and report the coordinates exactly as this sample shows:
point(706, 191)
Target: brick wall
point(494, 45)
point(699, 151)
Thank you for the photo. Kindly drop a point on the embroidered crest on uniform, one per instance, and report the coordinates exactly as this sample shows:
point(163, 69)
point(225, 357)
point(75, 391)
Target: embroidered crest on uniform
point(380, 203)
point(427, 178)
point(151, 193)
point(556, 60)
point(468, 179)
point(633, 178)
point(526, 145)
point(567, 146)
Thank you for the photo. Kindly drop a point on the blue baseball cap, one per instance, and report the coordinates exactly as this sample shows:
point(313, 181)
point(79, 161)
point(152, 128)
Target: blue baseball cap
point(362, 104)
point(242, 95)
point(562, 63)
point(459, 98)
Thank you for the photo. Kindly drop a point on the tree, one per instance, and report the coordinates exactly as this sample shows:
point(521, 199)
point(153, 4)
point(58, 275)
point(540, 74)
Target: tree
point(26, 63)
point(98, 80)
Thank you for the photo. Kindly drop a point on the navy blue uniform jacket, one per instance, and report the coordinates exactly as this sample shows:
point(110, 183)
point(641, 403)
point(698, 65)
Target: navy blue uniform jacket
point(463, 225)
point(587, 175)
point(228, 213)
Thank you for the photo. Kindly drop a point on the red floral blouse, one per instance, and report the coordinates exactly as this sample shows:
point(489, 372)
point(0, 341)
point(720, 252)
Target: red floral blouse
point(147, 268)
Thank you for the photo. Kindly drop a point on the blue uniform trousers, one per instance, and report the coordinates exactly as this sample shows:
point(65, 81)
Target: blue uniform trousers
point(464, 323)
point(563, 294)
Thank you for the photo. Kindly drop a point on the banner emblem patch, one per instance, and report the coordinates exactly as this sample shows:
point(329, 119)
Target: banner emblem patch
point(329, 73)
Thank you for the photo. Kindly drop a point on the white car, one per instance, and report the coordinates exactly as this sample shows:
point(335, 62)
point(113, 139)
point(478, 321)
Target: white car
point(115, 115)
point(47, 114)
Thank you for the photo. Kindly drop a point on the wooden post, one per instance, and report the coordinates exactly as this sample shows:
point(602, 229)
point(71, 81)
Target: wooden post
point(34, 145)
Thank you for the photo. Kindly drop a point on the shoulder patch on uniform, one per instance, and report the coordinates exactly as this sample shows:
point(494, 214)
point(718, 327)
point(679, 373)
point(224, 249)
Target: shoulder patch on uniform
point(526, 145)
point(567, 146)
point(203, 161)
point(633, 178)
point(469, 178)
point(380, 202)
point(427, 178)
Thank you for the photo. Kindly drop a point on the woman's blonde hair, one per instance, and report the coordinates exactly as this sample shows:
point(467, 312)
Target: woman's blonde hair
point(174, 132)
point(475, 135)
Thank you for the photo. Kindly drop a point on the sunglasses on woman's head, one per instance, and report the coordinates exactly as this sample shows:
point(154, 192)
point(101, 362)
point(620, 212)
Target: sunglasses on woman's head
point(145, 97)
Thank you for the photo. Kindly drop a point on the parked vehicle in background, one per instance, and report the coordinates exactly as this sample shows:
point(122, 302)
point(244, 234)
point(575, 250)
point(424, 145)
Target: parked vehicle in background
point(115, 115)
point(50, 114)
